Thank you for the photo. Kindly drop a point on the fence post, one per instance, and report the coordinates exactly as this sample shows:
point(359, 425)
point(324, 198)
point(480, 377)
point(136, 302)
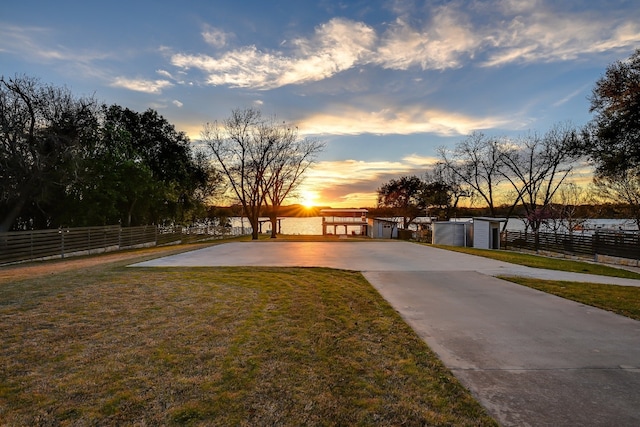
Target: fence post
point(62, 242)
point(596, 242)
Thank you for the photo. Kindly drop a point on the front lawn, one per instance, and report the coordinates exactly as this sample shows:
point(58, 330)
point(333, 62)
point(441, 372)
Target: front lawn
point(106, 344)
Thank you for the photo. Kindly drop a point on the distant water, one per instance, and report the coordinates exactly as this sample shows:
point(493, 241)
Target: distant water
point(306, 226)
point(313, 225)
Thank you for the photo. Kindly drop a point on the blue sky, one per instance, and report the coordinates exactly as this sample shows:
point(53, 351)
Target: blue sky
point(382, 83)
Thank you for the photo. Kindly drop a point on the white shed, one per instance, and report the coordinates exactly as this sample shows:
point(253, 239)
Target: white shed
point(380, 228)
point(486, 232)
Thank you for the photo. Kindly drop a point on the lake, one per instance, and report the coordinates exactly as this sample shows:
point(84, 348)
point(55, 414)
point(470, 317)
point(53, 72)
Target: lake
point(313, 225)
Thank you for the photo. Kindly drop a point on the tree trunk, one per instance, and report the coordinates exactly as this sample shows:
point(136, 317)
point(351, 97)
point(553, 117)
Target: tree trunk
point(253, 220)
point(273, 217)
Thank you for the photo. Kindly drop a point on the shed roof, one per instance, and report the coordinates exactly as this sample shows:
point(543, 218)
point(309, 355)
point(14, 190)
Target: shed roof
point(489, 219)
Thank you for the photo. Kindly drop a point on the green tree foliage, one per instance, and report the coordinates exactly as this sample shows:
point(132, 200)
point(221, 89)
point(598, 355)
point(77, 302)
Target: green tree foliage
point(615, 129)
point(68, 161)
point(444, 190)
point(45, 132)
point(147, 167)
point(406, 196)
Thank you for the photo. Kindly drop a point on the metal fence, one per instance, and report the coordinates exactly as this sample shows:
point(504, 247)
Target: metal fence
point(619, 244)
point(20, 246)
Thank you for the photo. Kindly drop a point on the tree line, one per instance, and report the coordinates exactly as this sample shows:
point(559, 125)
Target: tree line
point(532, 175)
point(72, 161)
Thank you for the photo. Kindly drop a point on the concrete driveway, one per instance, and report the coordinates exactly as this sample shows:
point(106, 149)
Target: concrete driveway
point(530, 358)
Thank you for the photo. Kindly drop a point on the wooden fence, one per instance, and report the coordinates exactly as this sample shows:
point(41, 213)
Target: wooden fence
point(64, 242)
point(619, 244)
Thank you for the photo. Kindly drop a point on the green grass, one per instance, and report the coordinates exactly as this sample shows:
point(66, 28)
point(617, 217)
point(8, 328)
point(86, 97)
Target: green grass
point(103, 344)
point(623, 300)
point(537, 261)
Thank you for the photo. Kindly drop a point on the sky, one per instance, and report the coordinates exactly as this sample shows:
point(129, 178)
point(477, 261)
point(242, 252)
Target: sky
point(383, 84)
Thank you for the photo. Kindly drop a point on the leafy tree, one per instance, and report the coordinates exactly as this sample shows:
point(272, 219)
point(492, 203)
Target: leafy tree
point(444, 190)
point(614, 142)
point(44, 135)
point(406, 196)
point(147, 167)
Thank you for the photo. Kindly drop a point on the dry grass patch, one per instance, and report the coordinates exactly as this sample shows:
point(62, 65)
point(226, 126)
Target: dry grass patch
point(109, 345)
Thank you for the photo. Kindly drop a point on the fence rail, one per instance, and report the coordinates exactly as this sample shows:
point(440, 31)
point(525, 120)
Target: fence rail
point(20, 246)
point(609, 243)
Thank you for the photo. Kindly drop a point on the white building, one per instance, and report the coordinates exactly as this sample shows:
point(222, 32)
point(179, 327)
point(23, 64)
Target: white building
point(486, 232)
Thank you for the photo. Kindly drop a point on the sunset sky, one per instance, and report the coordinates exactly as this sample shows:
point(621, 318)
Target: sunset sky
point(382, 83)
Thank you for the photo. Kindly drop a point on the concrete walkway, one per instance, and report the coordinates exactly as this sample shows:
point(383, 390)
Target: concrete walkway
point(530, 358)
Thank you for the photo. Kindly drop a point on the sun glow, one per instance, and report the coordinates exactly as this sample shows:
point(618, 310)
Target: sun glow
point(308, 198)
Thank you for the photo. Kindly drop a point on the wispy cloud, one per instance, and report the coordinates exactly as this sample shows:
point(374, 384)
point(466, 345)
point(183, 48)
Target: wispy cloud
point(336, 46)
point(34, 43)
point(570, 96)
point(548, 35)
point(141, 85)
point(441, 44)
point(493, 33)
point(398, 120)
point(216, 37)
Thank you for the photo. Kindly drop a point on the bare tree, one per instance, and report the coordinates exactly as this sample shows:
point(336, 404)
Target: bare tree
point(566, 216)
point(622, 188)
point(476, 163)
point(285, 172)
point(536, 167)
point(262, 161)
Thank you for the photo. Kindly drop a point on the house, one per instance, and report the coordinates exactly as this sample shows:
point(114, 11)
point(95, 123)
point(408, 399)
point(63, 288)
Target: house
point(356, 219)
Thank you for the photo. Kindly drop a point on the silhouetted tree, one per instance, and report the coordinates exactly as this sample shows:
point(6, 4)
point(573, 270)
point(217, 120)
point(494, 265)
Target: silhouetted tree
point(614, 142)
point(445, 189)
point(622, 188)
point(285, 172)
point(406, 196)
point(476, 162)
point(261, 160)
point(536, 167)
point(44, 135)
